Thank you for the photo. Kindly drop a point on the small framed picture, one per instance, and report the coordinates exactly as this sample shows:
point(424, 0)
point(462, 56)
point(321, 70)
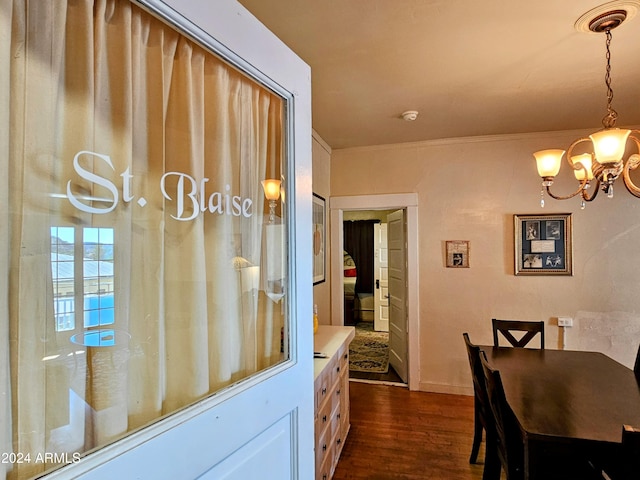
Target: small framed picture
point(543, 244)
point(457, 253)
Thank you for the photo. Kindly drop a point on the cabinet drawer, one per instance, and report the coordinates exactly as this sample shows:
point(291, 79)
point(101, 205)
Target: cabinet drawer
point(323, 383)
point(336, 425)
point(323, 419)
point(338, 444)
point(344, 424)
point(342, 363)
point(343, 358)
point(323, 471)
point(344, 399)
point(324, 448)
point(336, 395)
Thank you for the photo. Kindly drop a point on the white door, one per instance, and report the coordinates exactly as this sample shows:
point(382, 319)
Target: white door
point(397, 293)
point(381, 274)
point(264, 426)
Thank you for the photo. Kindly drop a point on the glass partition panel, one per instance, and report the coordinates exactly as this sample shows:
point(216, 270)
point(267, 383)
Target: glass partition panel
point(145, 269)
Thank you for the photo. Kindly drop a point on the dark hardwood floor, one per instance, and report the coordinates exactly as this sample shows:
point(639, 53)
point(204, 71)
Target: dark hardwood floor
point(399, 434)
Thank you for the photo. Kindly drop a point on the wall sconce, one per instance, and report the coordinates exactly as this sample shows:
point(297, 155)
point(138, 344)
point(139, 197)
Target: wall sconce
point(272, 193)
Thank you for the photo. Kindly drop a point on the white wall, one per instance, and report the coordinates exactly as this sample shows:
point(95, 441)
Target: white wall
point(469, 189)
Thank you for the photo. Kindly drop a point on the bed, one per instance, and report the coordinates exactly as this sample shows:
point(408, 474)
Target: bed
point(363, 307)
point(350, 277)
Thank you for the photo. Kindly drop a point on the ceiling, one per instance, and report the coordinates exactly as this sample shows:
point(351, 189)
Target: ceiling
point(468, 67)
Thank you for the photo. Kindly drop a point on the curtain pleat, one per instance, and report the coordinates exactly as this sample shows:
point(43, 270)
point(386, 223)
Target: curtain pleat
point(358, 242)
point(147, 105)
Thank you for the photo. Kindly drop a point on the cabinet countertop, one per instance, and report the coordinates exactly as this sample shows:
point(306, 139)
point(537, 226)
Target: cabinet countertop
point(328, 339)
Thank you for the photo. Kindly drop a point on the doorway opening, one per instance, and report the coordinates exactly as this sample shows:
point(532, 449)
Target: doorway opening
point(387, 304)
point(367, 296)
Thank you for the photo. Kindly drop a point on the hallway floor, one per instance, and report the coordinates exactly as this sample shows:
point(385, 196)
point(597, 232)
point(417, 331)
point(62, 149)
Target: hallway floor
point(399, 434)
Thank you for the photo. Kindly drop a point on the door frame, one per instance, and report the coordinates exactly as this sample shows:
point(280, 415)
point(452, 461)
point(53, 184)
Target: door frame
point(409, 203)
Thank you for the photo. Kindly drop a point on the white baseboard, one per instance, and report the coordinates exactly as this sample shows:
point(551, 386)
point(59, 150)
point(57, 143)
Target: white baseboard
point(440, 388)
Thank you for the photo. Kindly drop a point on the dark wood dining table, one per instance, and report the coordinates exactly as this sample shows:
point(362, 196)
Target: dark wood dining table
point(567, 400)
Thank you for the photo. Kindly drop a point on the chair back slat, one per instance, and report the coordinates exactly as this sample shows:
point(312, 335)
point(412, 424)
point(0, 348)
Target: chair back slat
point(505, 327)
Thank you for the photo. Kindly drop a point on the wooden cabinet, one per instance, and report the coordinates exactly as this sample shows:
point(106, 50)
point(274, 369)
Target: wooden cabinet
point(331, 396)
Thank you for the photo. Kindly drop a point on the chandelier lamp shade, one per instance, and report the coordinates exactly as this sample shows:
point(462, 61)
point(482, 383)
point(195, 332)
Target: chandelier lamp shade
point(598, 159)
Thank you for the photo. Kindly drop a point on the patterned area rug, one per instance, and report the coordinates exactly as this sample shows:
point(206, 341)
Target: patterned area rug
point(369, 350)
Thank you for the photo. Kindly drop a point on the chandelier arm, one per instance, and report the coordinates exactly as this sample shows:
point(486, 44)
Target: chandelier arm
point(632, 163)
point(596, 189)
point(580, 189)
point(570, 152)
point(583, 183)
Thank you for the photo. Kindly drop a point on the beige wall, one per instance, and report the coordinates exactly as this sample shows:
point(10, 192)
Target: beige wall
point(321, 154)
point(469, 189)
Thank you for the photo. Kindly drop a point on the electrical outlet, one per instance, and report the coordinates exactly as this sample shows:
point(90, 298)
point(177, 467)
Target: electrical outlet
point(565, 322)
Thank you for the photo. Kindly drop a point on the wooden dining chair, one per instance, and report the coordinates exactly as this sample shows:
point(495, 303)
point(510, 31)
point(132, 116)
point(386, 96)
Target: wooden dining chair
point(509, 443)
point(483, 418)
point(625, 465)
point(506, 327)
point(631, 452)
point(630, 461)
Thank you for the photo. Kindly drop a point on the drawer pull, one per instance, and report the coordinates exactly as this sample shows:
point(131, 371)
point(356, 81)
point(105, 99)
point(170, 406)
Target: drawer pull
point(338, 369)
point(338, 416)
point(339, 441)
point(338, 392)
point(324, 447)
point(324, 390)
point(324, 418)
point(346, 355)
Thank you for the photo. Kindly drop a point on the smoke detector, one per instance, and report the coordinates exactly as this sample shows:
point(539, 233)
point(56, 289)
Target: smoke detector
point(410, 115)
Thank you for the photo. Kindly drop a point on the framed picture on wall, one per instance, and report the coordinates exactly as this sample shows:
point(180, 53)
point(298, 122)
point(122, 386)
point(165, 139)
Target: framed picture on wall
point(457, 253)
point(543, 244)
point(319, 238)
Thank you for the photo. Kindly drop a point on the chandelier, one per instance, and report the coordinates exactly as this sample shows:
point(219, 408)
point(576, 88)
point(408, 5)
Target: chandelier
point(603, 161)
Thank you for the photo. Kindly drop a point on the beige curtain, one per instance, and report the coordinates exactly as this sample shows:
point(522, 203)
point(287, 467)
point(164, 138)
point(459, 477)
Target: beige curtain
point(105, 77)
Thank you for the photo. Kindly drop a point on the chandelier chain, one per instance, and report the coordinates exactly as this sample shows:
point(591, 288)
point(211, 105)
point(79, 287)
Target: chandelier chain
point(609, 120)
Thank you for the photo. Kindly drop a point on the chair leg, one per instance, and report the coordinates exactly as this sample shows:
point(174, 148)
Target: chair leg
point(492, 465)
point(477, 438)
